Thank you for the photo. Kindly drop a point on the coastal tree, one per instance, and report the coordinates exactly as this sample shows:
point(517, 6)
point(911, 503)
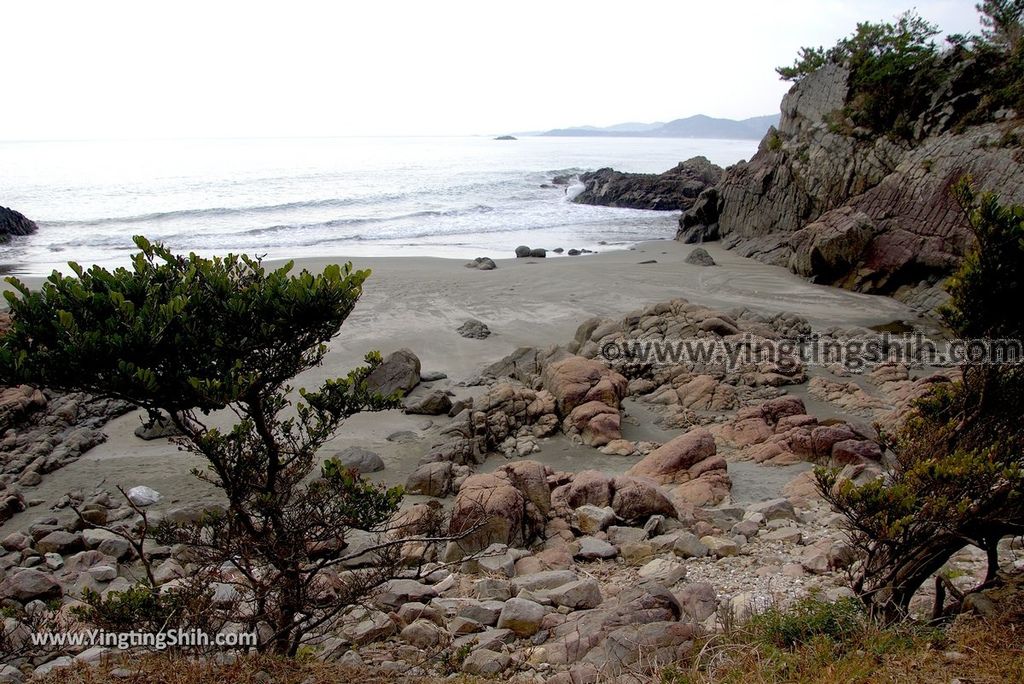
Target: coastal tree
point(958, 476)
point(895, 69)
point(1002, 20)
point(208, 341)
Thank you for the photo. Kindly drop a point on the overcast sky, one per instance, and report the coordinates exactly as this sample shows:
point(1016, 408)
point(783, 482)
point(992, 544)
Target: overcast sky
point(293, 68)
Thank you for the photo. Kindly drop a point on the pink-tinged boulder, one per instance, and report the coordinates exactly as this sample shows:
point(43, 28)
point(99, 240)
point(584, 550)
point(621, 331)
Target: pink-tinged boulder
point(671, 462)
point(587, 487)
point(759, 453)
point(636, 499)
point(595, 422)
point(507, 506)
point(799, 420)
point(531, 478)
point(855, 451)
point(491, 502)
point(824, 437)
point(747, 431)
point(576, 380)
point(799, 441)
point(709, 489)
point(776, 409)
point(705, 393)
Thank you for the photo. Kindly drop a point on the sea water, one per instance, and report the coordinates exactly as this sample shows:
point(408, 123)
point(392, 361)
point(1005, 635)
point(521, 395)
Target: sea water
point(292, 197)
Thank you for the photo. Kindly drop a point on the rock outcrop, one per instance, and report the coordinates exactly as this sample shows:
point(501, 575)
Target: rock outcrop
point(871, 213)
point(14, 223)
point(677, 188)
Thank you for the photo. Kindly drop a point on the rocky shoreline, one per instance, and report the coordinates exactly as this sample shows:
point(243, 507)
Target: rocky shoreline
point(676, 189)
point(841, 205)
point(567, 576)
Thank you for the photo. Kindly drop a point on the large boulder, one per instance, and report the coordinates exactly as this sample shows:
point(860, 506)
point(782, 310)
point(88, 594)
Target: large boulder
point(399, 372)
point(595, 422)
point(582, 636)
point(474, 329)
point(637, 499)
point(29, 584)
point(673, 461)
point(360, 459)
point(14, 223)
point(504, 507)
point(431, 479)
point(434, 404)
point(699, 257)
point(576, 380)
point(522, 616)
point(587, 487)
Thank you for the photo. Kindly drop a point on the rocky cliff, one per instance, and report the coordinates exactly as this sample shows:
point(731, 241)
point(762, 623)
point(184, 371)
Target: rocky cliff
point(677, 188)
point(14, 223)
point(856, 209)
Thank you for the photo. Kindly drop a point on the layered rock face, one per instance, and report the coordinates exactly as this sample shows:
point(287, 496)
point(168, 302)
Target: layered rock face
point(677, 188)
point(853, 209)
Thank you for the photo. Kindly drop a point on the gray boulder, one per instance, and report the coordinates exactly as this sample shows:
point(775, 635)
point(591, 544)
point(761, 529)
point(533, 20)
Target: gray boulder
point(400, 372)
point(161, 427)
point(394, 593)
point(485, 663)
point(432, 376)
point(698, 601)
point(582, 594)
point(14, 223)
point(522, 251)
point(482, 264)
point(700, 257)
point(538, 252)
point(434, 404)
point(474, 329)
point(522, 616)
point(360, 459)
point(60, 542)
point(431, 479)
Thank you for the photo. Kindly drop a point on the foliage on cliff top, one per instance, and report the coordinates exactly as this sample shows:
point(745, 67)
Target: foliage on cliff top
point(901, 81)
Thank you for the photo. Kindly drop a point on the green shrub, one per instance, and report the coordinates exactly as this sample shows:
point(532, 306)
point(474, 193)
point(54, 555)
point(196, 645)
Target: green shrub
point(807, 619)
point(187, 336)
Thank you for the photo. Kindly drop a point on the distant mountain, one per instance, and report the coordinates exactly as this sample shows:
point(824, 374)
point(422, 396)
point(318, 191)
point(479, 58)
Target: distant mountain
point(699, 126)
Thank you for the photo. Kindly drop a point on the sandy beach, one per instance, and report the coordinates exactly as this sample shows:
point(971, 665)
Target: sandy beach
point(418, 302)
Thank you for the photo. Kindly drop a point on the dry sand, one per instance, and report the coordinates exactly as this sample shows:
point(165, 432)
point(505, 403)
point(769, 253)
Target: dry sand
point(418, 302)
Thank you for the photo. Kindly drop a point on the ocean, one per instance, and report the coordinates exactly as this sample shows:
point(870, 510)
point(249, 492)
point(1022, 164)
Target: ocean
point(294, 197)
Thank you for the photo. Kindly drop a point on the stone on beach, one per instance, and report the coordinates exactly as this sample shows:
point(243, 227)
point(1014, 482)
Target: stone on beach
point(360, 459)
point(399, 372)
point(143, 496)
point(474, 329)
point(700, 257)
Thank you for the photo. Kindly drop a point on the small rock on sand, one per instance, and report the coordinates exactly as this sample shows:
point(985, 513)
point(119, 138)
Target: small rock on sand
point(474, 329)
point(700, 257)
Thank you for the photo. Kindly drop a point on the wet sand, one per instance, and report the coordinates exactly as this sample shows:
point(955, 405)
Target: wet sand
point(419, 302)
